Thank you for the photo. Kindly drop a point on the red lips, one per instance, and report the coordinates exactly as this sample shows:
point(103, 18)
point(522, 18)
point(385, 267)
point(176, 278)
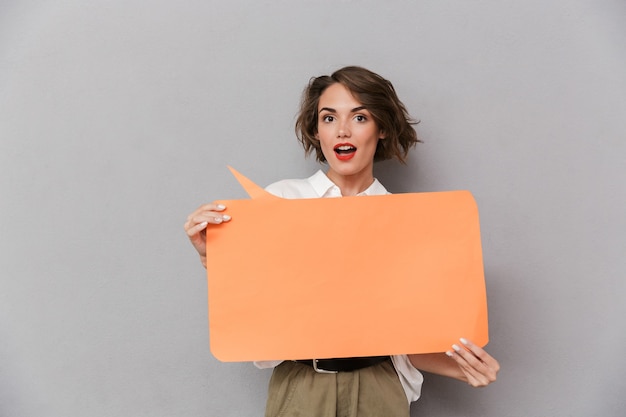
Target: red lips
point(344, 151)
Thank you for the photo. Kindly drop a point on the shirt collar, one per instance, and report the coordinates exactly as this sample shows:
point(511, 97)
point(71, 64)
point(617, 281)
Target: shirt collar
point(324, 187)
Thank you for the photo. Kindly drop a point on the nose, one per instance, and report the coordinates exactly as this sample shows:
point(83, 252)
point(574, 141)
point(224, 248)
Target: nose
point(343, 131)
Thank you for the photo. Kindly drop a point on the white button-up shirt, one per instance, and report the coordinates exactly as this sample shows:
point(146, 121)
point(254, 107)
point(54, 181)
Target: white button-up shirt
point(320, 186)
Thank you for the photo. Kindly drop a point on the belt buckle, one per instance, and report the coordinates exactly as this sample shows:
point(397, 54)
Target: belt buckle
point(320, 370)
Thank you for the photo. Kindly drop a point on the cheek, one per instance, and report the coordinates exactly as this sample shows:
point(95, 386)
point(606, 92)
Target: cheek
point(323, 136)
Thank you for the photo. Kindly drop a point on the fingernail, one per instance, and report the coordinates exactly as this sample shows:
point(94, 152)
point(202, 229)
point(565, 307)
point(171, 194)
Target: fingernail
point(226, 217)
point(221, 207)
point(449, 353)
point(456, 347)
point(203, 224)
point(463, 340)
point(217, 220)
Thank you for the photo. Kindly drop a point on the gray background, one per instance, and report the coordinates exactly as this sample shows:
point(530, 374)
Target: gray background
point(117, 119)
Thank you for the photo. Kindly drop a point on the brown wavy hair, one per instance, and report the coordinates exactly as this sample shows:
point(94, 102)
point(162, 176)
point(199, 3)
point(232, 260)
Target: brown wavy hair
point(377, 95)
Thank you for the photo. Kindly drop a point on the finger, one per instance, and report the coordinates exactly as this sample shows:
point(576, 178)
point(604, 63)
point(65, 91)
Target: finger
point(200, 222)
point(194, 230)
point(206, 208)
point(481, 354)
point(470, 346)
point(477, 371)
point(211, 217)
point(472, 368)
point(472, 376)
point(210, 213)
point(212, 207)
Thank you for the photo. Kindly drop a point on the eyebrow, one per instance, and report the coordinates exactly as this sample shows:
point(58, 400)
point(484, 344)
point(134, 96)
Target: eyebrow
point(354, 110)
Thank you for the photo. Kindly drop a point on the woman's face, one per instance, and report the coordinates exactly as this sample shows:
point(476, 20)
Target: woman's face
point(347, 133)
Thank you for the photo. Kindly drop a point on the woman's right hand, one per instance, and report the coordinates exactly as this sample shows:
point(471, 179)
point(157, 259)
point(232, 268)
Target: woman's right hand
point(197, 222)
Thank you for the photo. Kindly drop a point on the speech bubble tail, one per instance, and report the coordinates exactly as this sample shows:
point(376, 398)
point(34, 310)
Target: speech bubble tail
point(253, 190)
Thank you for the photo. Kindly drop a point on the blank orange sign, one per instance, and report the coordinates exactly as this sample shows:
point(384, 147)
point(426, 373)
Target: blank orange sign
point(343, 277)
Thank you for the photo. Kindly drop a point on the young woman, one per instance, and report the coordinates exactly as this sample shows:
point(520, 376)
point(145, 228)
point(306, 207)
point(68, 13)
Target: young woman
point(351, 119)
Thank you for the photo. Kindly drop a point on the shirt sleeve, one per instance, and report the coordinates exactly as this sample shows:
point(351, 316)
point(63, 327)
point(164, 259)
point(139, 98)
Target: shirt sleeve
point(410, 378)
point(267, 364)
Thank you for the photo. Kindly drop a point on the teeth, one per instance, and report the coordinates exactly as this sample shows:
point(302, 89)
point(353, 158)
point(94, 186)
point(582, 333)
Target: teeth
point(345, 148)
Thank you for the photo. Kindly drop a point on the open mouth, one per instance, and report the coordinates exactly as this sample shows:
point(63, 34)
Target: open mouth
point(344, 151)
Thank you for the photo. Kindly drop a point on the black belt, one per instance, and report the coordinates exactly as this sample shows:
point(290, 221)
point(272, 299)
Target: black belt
point(331, 366)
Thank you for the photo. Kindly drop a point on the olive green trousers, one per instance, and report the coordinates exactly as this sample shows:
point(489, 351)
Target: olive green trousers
point(296, 390)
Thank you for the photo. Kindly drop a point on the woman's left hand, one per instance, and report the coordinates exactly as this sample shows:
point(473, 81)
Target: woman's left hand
point(479, 368)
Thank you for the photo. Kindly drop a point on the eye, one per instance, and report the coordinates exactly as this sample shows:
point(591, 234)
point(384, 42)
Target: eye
point(360, 118)
point(328, 118)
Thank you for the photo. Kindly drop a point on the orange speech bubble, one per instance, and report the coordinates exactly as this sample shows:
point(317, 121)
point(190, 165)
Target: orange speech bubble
point(345, 277)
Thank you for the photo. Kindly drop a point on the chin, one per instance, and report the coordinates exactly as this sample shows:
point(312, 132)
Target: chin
point(347, 171)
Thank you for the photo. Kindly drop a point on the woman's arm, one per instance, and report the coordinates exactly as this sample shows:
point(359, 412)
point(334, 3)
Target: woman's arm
point(468, 362)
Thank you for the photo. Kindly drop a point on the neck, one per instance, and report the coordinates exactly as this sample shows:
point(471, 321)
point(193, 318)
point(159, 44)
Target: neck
point(351, 184)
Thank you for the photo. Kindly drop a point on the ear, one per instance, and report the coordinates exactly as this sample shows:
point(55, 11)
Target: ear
point(382, 135)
